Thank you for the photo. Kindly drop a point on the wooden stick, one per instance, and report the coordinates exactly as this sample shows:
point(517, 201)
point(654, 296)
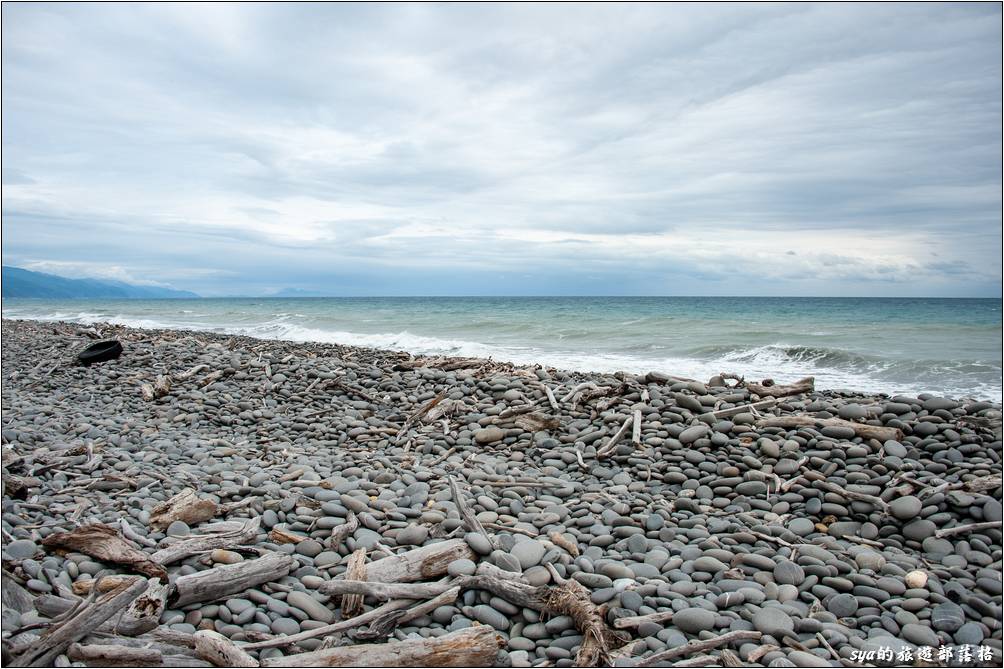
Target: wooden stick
point(636, 433)
point(219, 582)
point(966, 529)
point(636, 621)
point(419, 564)
point(470, 647)
point(860, 429)
point(610, 445)
point(90, 616)
point(383, 591)
point(700, 646)
point(735, 411)
point(765, 389)
point(471, 521)
point(97, 655)
point(343, 531)
point(386, 624)
point(221, 651)
point(877, 502)
point(352, 604)
point(207, 542)
point(143, 613)
point(358, 621)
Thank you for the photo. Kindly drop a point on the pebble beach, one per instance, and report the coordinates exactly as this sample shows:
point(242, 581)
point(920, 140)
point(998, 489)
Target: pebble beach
point(695, 522)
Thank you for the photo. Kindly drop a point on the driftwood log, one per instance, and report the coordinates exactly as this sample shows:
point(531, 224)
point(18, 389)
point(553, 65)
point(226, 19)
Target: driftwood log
point(143, 613)
point(226, 580)
point(190, 509)
point(384, 591)
point(221, 651)
point(88, 618)
point(570, 599)
point(860, 429)
point(419, 564)
point(352, 604)
point(699, 647)
point(101, 655)
point(201, 543)
point(106, 543)
point(770, 389)
point(472, 647)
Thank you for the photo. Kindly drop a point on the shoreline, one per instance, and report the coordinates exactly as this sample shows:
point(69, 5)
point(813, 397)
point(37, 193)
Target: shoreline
point(688, 509)
point(787, 376)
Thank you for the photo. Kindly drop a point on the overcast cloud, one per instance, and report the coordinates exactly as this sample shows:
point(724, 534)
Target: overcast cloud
point(489, 149)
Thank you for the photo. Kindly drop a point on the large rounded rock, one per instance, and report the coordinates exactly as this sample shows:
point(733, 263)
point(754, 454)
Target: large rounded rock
point(843, 605)
point(906, 508)
point(773, 621)
point(529, 553)
point(694, 620)
point(788, 573)
point(947, 617)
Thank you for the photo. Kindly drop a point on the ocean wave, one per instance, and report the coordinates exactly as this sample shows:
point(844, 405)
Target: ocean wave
point(782, 361)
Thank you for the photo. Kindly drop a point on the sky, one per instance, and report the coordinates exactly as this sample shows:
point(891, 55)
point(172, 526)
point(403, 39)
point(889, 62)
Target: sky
point(431, 149)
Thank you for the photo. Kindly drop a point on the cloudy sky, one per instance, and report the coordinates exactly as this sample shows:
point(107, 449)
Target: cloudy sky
point(492, 149)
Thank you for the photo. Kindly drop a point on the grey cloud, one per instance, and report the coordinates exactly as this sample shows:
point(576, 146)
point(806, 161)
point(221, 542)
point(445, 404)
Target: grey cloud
point(259, 144)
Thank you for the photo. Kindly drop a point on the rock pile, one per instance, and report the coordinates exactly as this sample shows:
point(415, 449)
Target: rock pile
point(237, 502)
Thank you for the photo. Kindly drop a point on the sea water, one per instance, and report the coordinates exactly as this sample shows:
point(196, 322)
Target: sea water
point(887, 345)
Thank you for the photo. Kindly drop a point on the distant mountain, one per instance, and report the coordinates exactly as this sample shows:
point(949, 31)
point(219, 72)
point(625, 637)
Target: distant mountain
point(19, 282)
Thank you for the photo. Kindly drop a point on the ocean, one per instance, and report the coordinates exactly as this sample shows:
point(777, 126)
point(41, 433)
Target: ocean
point(886, 345)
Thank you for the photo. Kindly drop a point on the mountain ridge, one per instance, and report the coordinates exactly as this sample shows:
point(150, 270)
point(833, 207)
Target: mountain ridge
point(20, 282)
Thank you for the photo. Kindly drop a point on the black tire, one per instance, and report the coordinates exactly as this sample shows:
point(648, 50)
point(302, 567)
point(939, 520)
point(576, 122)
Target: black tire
point(99, 352)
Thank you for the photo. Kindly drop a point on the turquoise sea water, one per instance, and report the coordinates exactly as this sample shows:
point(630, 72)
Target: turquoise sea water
point(891, 345)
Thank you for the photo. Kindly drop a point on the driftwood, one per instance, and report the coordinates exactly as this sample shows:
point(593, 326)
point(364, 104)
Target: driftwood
point(343, 531)
point(79, 624)
point(104, 542)
point(536, 422)
point(770, 389)
point(384, 625)
point(471, 522)
point(419, 564)
point(219, 582)
point(196, 544)
point(384, 591)
point(281, 536)
point(341, 626)
point(637, 621)
point(472, 647)
point(156, 390)
point(14, 595)
point(860, 429)
point(100, 655)
point(563, 542)
point(571, 599)
point(699, 646)
point(143, 613)
point(352, 604)
point(966, 529)
point(187, 507)
point(221, 651)
point(735, 411)
point(608, 448)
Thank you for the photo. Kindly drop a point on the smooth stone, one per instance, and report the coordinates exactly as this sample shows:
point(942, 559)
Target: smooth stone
point(286, 626)
point(178, 529)
point(478, 543)
point(462, 567)
point(947, 617)
point(788, 573)
point(694, 620)
point(20, 549)
point(906, 508)
point(529, 553)
point(310, 606)
point(309, 547)
point(843, 605)
point(773, 621)
point(489, 435)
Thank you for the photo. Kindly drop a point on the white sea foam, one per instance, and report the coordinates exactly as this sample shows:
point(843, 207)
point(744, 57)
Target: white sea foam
point(782, 361)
